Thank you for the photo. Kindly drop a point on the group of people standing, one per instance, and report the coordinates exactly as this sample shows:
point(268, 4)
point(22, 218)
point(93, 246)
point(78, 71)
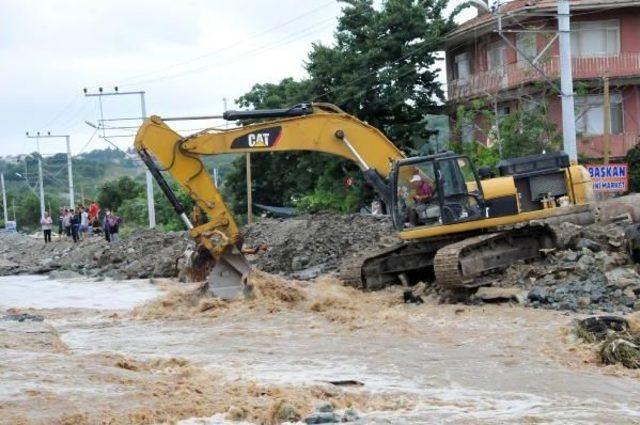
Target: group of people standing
point(76, 223)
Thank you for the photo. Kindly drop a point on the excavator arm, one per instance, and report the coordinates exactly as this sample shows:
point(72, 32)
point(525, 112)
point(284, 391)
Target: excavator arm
point(319, 127)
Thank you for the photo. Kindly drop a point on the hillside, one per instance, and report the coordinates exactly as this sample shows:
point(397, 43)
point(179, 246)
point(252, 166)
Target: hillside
point(91, 171)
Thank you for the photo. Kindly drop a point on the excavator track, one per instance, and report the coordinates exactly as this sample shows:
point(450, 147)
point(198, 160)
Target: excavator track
point(462, 264)
point(446, 263)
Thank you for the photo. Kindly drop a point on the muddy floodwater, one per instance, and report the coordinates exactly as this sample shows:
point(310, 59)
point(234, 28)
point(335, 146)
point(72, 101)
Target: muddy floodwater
point(141, 352)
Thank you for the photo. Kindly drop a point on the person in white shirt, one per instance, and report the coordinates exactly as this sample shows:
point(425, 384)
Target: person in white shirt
point(84, 223)
point(46, 222)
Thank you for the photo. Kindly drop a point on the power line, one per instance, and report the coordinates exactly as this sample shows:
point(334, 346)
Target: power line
point(291, 38)
point(230, 46)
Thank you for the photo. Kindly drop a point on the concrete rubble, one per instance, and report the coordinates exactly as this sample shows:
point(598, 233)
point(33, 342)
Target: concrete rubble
point(592, 273)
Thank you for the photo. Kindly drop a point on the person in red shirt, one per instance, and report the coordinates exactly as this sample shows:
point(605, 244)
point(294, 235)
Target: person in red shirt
point(94, 210)
point(424, 191)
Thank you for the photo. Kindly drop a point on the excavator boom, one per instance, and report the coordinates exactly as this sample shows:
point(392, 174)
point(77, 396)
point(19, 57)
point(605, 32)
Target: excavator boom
point(317, 127)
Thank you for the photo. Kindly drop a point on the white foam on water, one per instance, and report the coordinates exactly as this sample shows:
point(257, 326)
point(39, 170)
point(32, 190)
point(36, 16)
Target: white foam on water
point(28, 291)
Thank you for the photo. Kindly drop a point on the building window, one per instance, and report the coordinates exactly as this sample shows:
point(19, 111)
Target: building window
point(590, 114)
point(595, 38)
point(495, 56)
point(461, 66)
point(527, 49)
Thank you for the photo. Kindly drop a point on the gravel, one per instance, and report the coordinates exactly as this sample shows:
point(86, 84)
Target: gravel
point(308, 246)
point(593, 274)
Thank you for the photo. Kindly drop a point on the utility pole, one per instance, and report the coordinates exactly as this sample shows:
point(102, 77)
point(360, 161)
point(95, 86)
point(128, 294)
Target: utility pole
point(606, 137)
point(247, 157)
point(566, 82)
point(249, 197)
point(40, 179)
point(67, 139)
point(143, 109)
point(4, 200)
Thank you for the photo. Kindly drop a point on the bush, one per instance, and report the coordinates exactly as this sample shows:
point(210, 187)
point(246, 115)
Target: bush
point(633, 159)
point(323, 200)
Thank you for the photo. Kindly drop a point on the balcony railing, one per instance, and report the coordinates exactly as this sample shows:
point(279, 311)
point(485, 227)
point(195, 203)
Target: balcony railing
point(619, 144)
point(515, 74)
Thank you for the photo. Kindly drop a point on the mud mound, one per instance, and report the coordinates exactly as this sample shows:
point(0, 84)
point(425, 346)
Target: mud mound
point(308, 246)
point(147, 253)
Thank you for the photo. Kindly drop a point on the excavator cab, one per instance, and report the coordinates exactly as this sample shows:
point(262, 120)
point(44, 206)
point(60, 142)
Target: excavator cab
point(435, 190)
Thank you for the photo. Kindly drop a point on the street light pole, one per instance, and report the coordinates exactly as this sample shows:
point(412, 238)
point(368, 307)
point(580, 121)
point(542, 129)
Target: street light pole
point(148, 177)
point(41, 184)
point(69, 160)
point(151, 207)
point(70, 171)
point(40, 179)
point(4, 200)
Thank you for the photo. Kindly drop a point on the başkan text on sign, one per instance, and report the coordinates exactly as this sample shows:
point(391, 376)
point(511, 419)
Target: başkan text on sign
point(609, 177)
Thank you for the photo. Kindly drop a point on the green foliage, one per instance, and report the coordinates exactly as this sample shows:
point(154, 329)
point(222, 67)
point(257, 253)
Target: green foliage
point(528, 132)
point(633, 159)
point(323, 200)
point(130, 198)
point(382, 66)
point(114, 192)
point(481, 155)
point(523, 132)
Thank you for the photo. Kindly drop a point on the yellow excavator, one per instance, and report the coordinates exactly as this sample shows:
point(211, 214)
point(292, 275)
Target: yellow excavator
point(457, 224)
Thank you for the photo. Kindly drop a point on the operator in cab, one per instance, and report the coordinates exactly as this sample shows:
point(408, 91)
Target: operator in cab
point(424, 190)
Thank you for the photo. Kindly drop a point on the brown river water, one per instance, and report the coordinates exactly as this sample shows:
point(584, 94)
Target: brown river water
point(103, 356)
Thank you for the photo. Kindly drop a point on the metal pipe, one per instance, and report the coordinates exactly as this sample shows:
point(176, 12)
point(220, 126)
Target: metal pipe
point(340, 135)
point(193, 118)
point(166, 189)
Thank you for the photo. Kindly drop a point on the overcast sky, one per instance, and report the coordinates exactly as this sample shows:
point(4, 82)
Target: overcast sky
point(187, 55)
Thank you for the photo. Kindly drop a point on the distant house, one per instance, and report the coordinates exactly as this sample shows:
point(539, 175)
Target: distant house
point(605, 40)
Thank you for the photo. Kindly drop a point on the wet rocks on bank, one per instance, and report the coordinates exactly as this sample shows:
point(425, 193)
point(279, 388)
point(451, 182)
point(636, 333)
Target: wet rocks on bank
point(593, 272)
point(143, 254)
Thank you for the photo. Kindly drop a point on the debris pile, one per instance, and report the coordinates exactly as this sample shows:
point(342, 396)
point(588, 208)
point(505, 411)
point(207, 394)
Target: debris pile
point(147, 253)
point(308, 246)
point(618, 342)
point(592, 273)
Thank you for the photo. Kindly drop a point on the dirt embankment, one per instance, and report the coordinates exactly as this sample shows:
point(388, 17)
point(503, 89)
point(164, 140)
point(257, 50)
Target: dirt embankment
point(148, 253)
point(303, 247)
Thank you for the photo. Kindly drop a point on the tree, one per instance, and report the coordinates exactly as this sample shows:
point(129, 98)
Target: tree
point(114, 192)
point(379, 68)
point(633, 159)
point(382, 67)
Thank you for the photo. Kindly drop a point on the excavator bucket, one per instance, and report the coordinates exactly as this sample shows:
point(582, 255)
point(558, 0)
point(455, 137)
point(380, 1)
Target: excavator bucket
point(228, 278)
